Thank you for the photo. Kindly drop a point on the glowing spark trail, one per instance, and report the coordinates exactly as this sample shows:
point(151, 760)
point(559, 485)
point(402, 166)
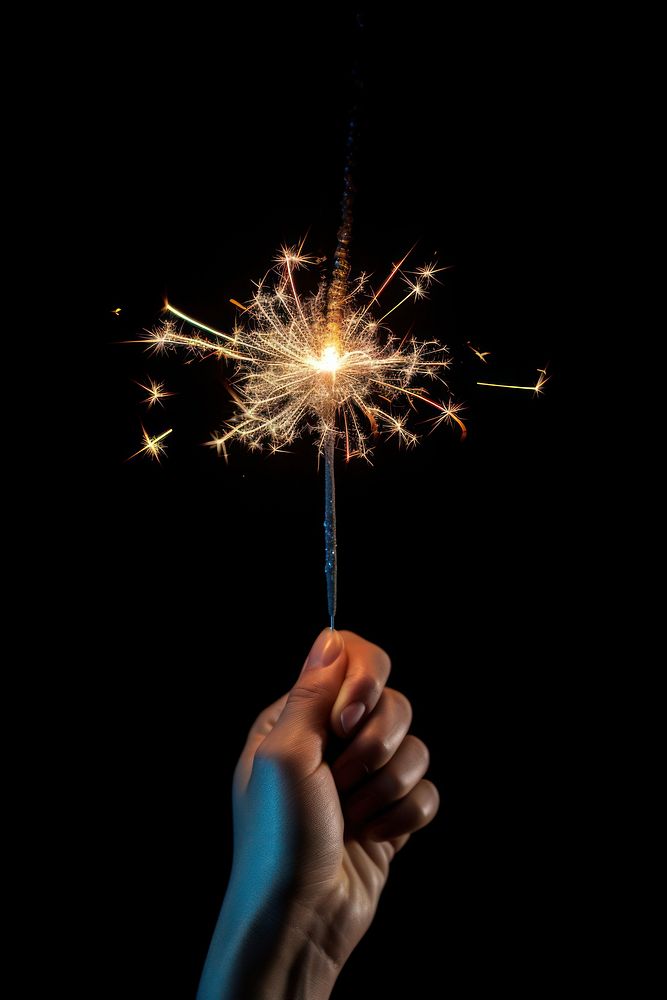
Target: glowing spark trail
point(188, 319)
point(537, 388)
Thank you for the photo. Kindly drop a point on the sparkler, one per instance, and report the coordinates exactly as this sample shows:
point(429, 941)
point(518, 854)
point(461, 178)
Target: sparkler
point(318, 363)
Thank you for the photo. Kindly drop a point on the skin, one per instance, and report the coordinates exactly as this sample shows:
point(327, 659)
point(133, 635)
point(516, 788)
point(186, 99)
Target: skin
point(319, 815)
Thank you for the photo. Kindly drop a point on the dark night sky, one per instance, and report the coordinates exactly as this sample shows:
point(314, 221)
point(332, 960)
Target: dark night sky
point(209, 150)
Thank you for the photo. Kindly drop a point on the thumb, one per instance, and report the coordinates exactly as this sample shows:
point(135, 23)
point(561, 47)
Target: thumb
point(300, 733)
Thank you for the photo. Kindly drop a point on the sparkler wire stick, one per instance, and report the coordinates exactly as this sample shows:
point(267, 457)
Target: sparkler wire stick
point(335, 301)
point(330, 554)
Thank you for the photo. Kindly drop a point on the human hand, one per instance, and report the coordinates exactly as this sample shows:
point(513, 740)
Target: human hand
point(313, 838)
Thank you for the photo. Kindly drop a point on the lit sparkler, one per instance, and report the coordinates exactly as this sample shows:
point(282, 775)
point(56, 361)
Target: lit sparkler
point(319, 363)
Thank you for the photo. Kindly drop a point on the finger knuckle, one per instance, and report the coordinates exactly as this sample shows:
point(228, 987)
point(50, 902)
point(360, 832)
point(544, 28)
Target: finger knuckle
point(383, 660)
point(371, 651)
point(419, 752)
point(429, 801)
point(370, 690)
point(424, 810)
point(398, 784)
point(401, 704)
point(379, 752)
point(262, 723)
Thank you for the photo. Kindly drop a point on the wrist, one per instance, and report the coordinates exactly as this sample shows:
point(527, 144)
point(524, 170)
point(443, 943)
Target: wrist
point(268, 953)
point(298, 969)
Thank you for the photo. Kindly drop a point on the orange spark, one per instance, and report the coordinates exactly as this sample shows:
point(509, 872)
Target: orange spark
point(482, 355)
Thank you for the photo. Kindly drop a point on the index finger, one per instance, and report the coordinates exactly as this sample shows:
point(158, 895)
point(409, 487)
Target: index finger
point(367, 673)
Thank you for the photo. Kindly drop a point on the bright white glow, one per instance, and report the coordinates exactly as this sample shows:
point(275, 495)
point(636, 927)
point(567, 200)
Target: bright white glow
point(329, 362)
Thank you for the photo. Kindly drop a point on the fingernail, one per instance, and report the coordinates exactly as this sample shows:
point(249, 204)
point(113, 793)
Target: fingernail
point(325, 649)
point(351, 715)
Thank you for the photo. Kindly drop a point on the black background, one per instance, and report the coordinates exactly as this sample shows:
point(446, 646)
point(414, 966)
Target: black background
point(209, 148)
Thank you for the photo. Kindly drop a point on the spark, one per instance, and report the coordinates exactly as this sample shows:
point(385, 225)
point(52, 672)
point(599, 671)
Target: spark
point(396, 427)
point(542, 380)
point(537, 388)
point(152, 445)
point(428, 272)
point(417, 291)
point(301, 369)
point(218, 442)
point(169, 334)
point(156, 392)
point(195, 322)
point(395, 269)
point(449, 415)
point(117, 311)
point(482, 355)
point(294, 257)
